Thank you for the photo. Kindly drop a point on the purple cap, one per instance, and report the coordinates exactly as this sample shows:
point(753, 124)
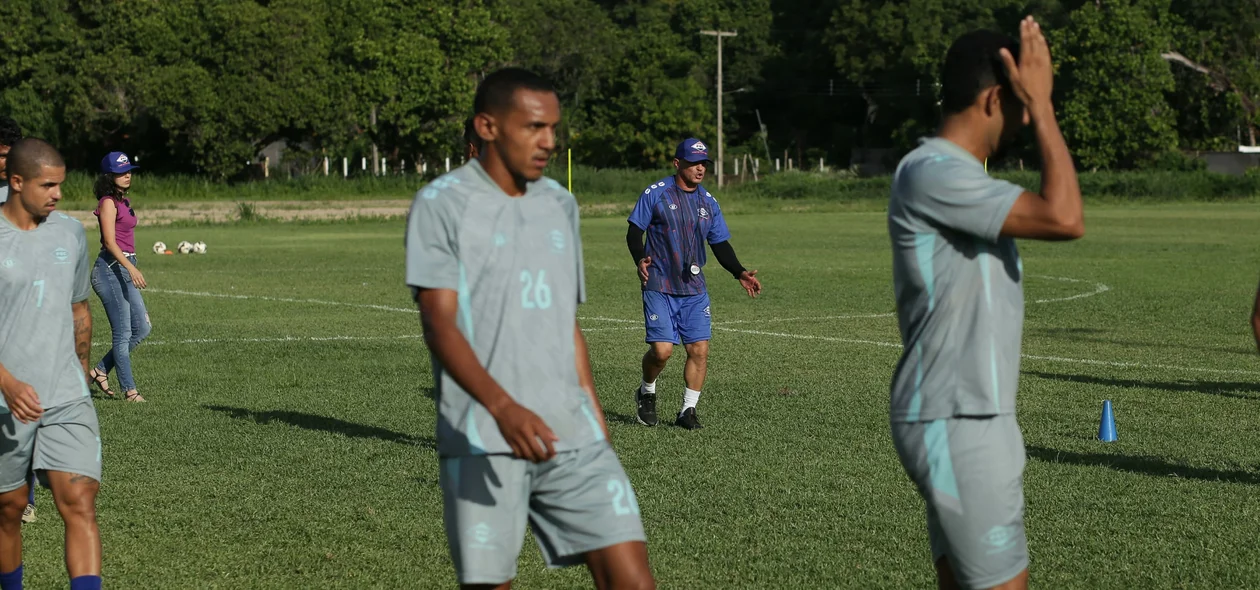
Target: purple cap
point(692, 150)
point(117, 163)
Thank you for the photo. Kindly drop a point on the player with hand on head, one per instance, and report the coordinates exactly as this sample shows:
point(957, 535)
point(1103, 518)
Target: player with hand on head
point(958, 281)
point(679, 216)
point(45, 336)
point(494, 261)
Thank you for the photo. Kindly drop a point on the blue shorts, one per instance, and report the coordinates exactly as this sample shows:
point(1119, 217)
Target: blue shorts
point(681, 319)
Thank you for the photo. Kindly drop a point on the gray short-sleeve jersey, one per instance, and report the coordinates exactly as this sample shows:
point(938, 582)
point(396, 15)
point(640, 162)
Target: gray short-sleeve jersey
point(42, 272)
point(516, 265)
point(958, 285)
point(4, 193)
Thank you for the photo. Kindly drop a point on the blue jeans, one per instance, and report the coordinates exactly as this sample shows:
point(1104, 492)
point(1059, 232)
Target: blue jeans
point(128, 319)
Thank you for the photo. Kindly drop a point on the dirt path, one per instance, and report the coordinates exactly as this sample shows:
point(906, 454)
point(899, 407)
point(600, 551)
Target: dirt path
point(219, 211)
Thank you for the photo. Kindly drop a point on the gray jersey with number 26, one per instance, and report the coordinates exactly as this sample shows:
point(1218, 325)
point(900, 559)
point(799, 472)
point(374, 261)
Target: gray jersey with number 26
point(516, 265)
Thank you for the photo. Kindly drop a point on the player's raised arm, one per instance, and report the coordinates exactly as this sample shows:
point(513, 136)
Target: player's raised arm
point(1057, 213)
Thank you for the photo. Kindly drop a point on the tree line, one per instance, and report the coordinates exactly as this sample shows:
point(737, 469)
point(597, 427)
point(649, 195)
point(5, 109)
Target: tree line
point(201, 86)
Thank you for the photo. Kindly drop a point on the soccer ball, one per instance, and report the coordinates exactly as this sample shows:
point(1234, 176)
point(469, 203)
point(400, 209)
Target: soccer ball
point(159, 247)
point(184, 247)
point(199, 247)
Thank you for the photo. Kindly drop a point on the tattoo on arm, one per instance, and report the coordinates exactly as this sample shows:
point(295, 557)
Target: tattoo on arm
point(83, 333)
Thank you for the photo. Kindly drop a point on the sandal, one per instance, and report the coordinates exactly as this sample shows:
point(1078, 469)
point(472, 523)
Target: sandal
point(101, 380)
point(134, 396)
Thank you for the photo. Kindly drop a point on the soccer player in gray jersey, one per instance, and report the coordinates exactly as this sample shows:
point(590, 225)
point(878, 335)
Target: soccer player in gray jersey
point(48, 420)
point(960, 301)
point(494, 260)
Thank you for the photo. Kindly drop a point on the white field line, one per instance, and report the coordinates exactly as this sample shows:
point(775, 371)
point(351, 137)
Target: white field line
point(1099, 288)
point(1033, 357)
point(281, 300)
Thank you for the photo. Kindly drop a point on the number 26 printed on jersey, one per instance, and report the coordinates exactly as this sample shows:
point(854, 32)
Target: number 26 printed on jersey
point(535, 293)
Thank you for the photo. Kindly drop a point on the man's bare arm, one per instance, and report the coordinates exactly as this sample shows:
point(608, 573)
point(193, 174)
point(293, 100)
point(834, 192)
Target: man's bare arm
point(524, 431)
point(1057, 213)
point(586, 377)
point(83, 333)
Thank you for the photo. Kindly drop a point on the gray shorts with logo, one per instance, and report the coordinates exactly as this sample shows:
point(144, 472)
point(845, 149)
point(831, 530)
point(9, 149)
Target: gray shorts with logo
point(970, 472)
point(66, 438)
point(579, 501)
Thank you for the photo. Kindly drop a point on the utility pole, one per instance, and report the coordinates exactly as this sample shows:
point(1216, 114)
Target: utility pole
point(719, 35)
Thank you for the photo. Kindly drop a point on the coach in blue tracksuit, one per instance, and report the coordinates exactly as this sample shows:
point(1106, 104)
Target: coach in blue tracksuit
point(679, 216)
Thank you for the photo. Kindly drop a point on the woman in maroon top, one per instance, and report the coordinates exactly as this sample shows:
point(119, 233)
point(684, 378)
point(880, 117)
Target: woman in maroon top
point(115, 277)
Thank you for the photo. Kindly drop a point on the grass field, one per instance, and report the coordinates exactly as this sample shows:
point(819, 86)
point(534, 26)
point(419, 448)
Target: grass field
point(288, 441)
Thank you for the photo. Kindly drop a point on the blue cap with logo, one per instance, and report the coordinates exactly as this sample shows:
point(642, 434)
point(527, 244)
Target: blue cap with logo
point(692, 150)
point(117, 163)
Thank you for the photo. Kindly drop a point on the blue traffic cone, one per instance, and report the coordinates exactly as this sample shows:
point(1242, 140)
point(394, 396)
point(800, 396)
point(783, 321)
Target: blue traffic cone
point(1107, 426)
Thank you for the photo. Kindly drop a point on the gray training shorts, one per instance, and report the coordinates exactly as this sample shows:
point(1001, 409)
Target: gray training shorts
point(66, 438)
point(579, 501)
point(970, 472)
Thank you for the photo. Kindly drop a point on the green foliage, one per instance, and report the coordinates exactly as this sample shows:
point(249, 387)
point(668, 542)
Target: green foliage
point(203, 86)
point(1115, 113)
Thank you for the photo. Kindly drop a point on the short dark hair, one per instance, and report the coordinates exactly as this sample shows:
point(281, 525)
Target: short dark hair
point(496, 93)
point(10, 131)
point(470, 134)
point(972, 64)
point(30, 155)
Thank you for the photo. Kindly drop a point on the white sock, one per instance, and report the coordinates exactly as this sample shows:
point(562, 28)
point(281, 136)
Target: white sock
point(648, 388)
point(691, 397)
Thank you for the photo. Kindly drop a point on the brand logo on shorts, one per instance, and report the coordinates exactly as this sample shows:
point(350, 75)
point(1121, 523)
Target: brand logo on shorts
point(480, 536)
point(706, 311)
point(704, 213)
point(654, 317)
point(999, 539)
point(62, 255)
point(557, 240)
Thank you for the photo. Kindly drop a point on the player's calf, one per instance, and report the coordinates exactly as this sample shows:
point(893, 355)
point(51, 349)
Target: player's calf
point(75, 497)
point(12, 503)
point(621, 567)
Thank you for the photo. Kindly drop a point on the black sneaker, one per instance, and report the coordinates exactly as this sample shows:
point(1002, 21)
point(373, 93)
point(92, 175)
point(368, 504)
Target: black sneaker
point(647, 407)
point(688, 419)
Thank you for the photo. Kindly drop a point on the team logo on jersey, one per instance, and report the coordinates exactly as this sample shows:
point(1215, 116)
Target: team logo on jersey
point(62, 255)
point(480, 536)
point(673, 206)
point(499, 239)
point(704, 213)
point(654, 317)
point(8, 263)
point(557, 240)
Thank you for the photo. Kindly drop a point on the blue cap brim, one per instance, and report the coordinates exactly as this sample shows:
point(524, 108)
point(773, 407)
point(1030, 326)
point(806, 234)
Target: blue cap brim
point(695, 158)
